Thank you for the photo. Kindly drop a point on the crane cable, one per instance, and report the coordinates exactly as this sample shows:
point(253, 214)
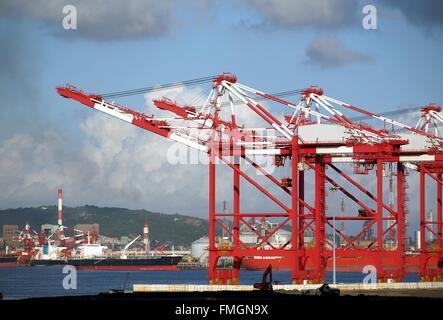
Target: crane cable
point(202, 80)
point(170, 85)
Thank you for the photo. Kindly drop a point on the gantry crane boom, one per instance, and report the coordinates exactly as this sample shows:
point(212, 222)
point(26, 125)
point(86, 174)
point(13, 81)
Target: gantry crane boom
point(141, 120)
point(197, 126)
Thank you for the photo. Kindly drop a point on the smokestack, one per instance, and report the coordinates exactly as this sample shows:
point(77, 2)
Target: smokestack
point(60, 213)
point(430, 235)
point(146, 236)
point(417, 240)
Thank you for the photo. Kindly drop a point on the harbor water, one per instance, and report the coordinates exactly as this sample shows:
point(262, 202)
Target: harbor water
point(28, 282)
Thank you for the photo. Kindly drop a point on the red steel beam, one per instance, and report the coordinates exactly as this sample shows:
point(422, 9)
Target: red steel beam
point(423, 258)
point(401, 222)
point(266, 239)
point(276, 182)
point(356, 184)
point(295, 213)
point(255, 184)
point(260, 236)
point(213, 257)
point(440, 213)
point(320, 236)
point(234, 236)
point(379, 219)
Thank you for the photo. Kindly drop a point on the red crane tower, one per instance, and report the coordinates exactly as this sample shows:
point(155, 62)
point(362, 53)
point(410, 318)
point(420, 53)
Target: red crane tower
point(314, 139)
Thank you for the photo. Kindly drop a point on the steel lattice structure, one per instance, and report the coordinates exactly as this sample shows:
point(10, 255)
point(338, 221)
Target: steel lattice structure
point(315, 137)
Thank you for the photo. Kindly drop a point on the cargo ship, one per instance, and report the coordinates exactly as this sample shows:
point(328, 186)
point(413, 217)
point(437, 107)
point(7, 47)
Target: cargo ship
point(92, 256)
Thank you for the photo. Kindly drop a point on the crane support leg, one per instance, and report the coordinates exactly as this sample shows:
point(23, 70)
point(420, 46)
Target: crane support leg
point(401, 223)
point(440, 223)
point(379, 219)
point(295, 246)
point(423, 251)
point(213, 256)
point(319, 270)
point(237, 260)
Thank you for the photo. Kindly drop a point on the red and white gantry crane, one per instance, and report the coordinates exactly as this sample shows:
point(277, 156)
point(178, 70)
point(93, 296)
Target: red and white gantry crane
point(306, 137)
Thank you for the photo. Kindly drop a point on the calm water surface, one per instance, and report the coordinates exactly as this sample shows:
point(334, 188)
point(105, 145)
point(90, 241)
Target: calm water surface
point(26, 282)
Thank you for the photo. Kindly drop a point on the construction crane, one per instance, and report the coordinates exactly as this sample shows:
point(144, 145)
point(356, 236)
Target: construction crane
point(125, 249)
point(306, 137)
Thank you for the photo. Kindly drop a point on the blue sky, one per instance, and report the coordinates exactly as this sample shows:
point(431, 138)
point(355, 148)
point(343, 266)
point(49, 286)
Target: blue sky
point(46, 141)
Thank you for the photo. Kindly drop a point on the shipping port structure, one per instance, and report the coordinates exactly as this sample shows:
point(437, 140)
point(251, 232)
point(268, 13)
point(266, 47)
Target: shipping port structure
point(315, 144)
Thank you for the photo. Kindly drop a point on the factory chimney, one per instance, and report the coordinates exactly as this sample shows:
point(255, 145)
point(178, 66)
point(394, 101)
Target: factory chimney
point(146, 237)
point(430, 234)
point(60, 214)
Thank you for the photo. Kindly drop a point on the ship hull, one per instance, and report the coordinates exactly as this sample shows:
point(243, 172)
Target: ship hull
point(46, 263)
point(278, 264)
point(343, 264)
point(128, 268)
point(151, 263)
point(8, 261)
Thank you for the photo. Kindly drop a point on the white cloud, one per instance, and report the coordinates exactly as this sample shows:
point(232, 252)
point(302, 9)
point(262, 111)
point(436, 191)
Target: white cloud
point(99, 19)
point(312, 13)
point(330, 52)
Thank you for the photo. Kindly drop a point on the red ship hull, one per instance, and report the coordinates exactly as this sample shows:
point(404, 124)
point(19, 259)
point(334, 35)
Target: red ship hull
point(343, 264)
point(278, 264)
point(8, 264)
point(8, 261)
point(129, 268)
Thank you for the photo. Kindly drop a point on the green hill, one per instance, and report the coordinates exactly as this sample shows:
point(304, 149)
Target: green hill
point(114, 222)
